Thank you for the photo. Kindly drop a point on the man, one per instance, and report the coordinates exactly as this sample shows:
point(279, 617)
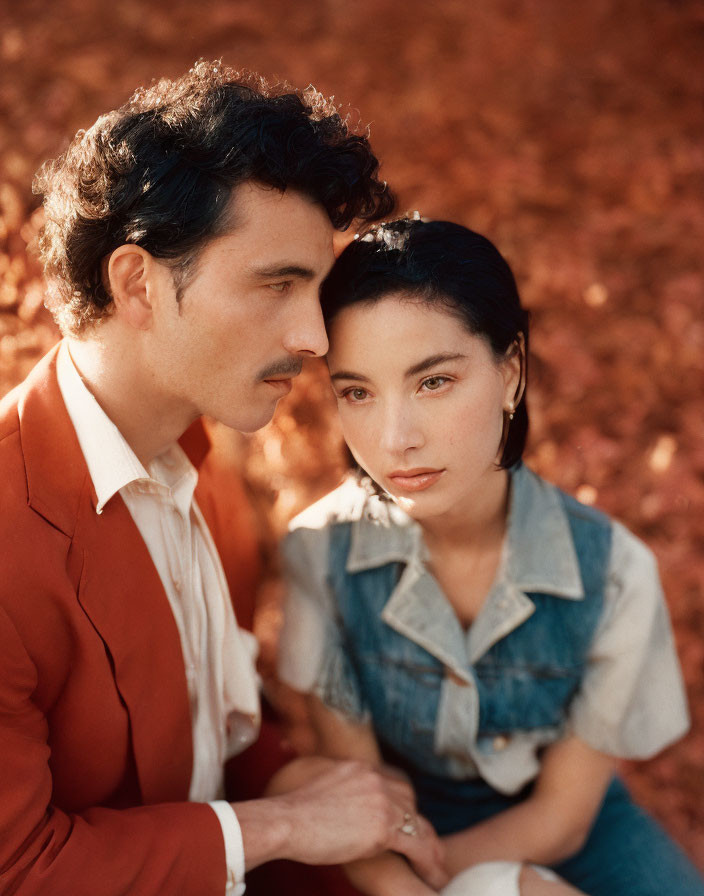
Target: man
point(186, 238)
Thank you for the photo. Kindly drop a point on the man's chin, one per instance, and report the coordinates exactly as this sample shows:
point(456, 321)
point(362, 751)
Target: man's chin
point(252, 423)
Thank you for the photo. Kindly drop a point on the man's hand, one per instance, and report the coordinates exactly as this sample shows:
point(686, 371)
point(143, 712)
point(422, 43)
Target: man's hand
point(332, 812)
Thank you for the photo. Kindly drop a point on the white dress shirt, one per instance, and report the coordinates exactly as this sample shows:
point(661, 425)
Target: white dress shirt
point(218, 655)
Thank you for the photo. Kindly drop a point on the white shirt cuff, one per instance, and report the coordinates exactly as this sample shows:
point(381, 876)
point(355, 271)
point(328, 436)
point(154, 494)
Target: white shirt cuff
point(234, 847)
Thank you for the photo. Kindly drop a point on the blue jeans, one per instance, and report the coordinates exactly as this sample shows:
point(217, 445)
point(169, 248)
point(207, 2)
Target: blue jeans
point(626, 854)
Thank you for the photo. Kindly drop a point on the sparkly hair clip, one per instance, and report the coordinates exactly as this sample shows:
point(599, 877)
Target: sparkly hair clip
point(390, 234)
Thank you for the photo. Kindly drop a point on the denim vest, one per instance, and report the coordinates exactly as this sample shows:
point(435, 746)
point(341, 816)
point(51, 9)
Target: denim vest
point(524, 681)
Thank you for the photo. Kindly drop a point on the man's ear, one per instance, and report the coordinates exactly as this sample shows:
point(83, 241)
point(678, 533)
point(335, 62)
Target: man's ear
point(130, 272)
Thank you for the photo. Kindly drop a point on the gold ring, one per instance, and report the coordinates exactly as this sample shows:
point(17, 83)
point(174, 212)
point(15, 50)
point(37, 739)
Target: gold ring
point(408, 827)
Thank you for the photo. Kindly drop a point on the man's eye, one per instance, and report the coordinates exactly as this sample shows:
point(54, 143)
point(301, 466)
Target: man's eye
point(434, 382)
point(280, 287)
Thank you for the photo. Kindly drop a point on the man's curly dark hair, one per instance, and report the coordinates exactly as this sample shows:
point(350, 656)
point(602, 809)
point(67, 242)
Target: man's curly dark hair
point(159, 172)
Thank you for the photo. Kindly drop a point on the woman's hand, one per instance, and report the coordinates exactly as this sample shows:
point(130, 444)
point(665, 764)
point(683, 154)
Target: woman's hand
point(429, 863)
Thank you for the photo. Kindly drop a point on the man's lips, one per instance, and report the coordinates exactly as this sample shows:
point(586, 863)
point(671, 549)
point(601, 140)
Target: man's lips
point(283, 384)
point(280, 373)
point(415, 480)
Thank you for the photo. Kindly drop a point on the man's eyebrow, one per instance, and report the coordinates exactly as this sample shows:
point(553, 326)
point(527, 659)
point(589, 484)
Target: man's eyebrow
point(427, 363)
point(283, 270)
point(348, 375)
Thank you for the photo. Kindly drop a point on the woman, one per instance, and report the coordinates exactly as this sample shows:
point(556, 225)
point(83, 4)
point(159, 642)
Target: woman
point(455, 615)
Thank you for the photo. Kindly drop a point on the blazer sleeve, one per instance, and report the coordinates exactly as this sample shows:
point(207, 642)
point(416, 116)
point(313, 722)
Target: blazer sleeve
point(145, 851)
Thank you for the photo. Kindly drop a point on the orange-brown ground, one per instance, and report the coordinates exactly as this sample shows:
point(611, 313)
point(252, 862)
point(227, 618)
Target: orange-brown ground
point(569, 133)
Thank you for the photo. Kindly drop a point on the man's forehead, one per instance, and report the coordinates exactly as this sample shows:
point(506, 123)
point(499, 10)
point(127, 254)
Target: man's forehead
point(252, 201)
point(276, 233)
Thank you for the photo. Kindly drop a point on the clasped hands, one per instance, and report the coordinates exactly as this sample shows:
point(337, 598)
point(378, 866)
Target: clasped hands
point(349, 810)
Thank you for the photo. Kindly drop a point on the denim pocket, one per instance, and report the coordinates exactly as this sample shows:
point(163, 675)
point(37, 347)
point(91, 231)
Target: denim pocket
point(525, 697)
point(403, 694)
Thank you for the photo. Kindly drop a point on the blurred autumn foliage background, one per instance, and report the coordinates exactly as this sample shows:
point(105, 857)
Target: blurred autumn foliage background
point(571, 134)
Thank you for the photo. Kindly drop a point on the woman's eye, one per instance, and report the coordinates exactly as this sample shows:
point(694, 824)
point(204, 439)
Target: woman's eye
point(434, 382)
point(355, 394)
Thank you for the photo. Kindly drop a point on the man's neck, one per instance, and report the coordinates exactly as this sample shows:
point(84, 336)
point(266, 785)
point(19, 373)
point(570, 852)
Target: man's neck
point(122, 385)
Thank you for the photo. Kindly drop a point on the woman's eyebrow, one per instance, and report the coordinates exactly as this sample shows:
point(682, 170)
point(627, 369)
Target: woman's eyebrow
point(427, 363)
point(347, 375)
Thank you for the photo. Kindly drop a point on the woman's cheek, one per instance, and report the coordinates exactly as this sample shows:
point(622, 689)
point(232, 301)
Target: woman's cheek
point(352, 431)
point(361, 437)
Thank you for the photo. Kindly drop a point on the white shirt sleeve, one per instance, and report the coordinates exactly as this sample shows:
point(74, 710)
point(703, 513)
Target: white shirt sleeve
point(306, 627)
point(313, 657)
point(632, 701)
point(234, 847)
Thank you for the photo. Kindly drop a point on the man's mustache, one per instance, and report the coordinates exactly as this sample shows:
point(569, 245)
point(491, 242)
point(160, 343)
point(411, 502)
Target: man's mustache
point(284, 368)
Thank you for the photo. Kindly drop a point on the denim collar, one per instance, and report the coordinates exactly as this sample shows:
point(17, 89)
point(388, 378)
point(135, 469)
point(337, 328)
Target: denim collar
point(540, 553)
point(538, 556)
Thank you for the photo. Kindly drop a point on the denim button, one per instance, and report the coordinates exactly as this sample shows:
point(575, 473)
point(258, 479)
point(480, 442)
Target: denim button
point(500, 742)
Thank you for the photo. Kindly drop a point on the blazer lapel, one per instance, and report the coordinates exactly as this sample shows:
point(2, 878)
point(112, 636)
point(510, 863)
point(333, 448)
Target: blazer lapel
point(121, 592)
point(120, 589)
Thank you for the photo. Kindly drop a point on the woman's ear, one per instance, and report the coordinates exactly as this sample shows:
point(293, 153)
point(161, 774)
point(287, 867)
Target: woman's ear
point(126, 273)
point(514, 371)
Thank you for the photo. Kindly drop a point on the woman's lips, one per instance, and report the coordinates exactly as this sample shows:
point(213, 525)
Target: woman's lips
point(415, 480)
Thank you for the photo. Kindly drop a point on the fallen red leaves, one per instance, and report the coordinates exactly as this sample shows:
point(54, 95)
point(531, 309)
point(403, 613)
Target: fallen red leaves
point(570, 133)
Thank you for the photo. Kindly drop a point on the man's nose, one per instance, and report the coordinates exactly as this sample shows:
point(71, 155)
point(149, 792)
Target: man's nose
point(306, 335)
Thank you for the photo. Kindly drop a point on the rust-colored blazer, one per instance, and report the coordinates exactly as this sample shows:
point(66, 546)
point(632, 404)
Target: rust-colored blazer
point(95, 737)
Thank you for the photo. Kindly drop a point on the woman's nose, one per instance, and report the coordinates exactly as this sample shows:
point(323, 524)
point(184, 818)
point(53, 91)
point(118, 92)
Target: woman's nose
point(401, 432)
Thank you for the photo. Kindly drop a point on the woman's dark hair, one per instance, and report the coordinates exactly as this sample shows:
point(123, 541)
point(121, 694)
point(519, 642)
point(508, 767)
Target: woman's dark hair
point(159, 172)
point(439, 263)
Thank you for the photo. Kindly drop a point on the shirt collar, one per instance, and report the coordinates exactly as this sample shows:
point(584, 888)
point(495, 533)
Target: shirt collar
point(539, 554)
point(111, 463)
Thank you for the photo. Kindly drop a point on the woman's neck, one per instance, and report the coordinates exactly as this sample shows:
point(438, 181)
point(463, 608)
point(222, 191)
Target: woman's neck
point(465, 548)
point(477, 526)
